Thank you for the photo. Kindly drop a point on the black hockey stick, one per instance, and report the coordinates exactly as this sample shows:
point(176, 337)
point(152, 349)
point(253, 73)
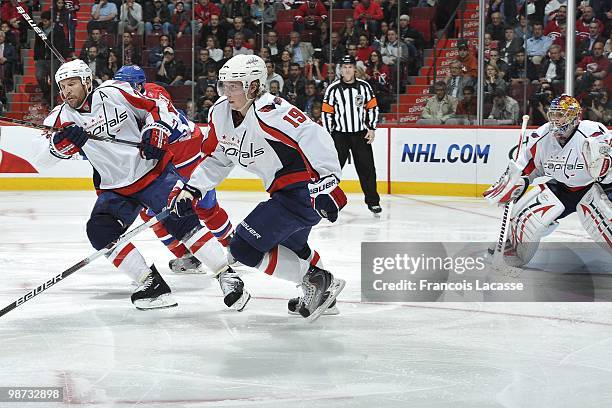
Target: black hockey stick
point(38, 30)
point(61, 276)
point(54, 129)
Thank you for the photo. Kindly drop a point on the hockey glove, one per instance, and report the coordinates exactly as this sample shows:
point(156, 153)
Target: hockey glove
point(598, 157)
point(510, 186)
point(183, 199)
point(327, 197)
point(154, 140)
point(68, 141)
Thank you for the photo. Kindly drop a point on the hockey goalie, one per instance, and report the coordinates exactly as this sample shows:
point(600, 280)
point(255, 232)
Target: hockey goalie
point(576, 155)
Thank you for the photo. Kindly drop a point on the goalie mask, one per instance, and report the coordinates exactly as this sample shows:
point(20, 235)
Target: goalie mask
point(563, 115)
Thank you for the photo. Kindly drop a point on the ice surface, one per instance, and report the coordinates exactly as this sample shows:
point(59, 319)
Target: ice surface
point(85, 335)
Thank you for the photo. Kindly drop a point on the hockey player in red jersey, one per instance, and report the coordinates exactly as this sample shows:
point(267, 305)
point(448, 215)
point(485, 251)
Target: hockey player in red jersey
point(576, 154)
point(298, 164)
point(185, 143)
point(128, 178)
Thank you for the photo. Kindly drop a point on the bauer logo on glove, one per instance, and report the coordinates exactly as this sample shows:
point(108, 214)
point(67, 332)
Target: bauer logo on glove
point(154, 140)
point(327, 197)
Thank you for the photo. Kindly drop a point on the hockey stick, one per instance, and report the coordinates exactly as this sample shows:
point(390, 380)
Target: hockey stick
point(54, 129)
point(37, 30)
point(61, 276)
point(498, 258)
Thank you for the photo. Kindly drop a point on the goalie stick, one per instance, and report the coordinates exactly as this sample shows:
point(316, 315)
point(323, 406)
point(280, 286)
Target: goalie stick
point(54, 129)
point(79, 265)
point(498, 258)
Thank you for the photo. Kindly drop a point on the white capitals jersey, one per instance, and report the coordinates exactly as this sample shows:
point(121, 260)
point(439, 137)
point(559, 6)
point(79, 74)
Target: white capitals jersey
point(542, 155)
point(114, 110)
point(276, 141)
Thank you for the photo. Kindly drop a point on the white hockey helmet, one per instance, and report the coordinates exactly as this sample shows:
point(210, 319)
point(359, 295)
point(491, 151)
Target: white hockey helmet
point(243, 68)
point(74, 68)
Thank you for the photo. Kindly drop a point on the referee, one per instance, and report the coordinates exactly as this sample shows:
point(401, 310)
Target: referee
point(350, 114)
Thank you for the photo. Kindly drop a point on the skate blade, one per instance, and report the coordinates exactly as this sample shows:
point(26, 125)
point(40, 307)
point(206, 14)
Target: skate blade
point(194, 271)
point(334, 290)
point(330, 311)
point(161, 302)
point(241, 303)
point(376, 215)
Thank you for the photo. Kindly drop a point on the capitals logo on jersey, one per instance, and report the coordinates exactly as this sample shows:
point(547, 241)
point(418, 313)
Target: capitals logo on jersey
point(231, 147)
point(568, 163)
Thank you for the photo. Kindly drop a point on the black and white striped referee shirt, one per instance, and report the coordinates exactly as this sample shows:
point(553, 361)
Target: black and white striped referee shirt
point(350, 108)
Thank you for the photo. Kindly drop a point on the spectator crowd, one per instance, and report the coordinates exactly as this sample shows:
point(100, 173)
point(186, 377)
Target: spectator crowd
point(182, 44)
point(525, 65)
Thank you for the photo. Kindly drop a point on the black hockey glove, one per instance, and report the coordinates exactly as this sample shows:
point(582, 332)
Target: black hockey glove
point(154, 141)
point(183, 198)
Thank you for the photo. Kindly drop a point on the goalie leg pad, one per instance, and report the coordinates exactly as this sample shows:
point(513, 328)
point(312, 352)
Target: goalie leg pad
point(595, 214)
point(533, 217)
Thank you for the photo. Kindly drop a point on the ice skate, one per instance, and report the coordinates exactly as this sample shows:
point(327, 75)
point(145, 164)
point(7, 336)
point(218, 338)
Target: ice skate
point(153, 293)
point(292, 307)
point(235, 296)
point(186, 264)
point(316, 284)
point(375, 209)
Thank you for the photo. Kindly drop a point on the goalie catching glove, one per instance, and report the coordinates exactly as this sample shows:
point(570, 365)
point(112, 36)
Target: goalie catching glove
point(598, 157)
point(183, 199)
point(510, 187)
point(327, 197)
point(68, 141)
point(154, 140)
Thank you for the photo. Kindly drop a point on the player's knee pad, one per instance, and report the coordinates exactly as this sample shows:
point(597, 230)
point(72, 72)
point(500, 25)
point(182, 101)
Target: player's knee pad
point(241, 251)
point(102, 229)
point(595, 214)
point(532, 218)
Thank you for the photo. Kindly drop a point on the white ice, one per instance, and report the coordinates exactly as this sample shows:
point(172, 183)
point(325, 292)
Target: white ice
point(84, 334)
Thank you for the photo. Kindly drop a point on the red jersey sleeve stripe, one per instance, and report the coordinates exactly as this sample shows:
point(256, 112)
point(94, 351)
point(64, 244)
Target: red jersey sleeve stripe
point(284, 138)
point(210, 144)
point(146, 104)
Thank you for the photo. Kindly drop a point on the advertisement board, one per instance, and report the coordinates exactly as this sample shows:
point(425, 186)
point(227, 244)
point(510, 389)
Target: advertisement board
point(408, 160)
point(448, 161)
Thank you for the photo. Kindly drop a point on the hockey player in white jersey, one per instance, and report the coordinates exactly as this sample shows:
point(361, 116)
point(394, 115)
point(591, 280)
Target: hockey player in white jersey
point(576, 154)
point(127, 178)
point(185, 144)
point(298, 164)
